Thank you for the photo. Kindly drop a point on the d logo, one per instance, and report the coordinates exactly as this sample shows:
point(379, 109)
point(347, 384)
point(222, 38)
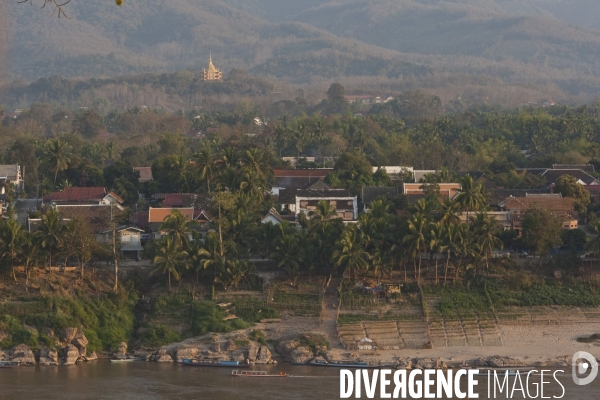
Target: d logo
point(582, 363)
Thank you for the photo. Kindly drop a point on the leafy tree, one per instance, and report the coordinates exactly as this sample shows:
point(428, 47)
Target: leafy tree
point(88, 124)
point(567, 186)
point(573, 240)
point(541, 231)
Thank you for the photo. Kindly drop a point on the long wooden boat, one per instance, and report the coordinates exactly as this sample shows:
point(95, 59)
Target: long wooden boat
point(215, 363)
point(8, 364)
point(258, 374)
point(344, 364)
point(122, 360)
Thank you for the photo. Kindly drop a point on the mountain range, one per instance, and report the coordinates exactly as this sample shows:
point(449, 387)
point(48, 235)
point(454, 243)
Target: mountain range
point(550, 44)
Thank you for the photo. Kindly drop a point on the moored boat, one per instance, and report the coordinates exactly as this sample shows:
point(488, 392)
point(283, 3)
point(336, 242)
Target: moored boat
point(8, 364)
point(215, 363)
point(129, 359)
point(344, 364)
point(258, 374)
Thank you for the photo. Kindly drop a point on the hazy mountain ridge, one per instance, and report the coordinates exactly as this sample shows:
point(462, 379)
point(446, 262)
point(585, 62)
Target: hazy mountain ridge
point(391, 42)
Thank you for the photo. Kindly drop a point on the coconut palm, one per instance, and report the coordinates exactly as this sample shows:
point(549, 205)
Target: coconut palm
point(437, 243)
point(416, 241)
point(11, 242)
point(50, 233)
point(264, 236)
point(323, 212)
point(448, 212)
point(196, 253)
point(287, 256)
point(351, 254)
point(470, 196)
point(170, 260)
point(177, 226)
point(57, 155)
point(256, 160)
point(487, 228)
point(206, 164)
point(451, 242)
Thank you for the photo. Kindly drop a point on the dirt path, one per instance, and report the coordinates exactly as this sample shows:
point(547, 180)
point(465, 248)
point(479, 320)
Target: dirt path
point(329, 313)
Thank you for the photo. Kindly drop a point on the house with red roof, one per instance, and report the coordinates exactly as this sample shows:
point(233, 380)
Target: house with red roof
point(84, 196)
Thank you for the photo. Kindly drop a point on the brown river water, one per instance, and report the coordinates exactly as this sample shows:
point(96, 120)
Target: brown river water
point(140, 380)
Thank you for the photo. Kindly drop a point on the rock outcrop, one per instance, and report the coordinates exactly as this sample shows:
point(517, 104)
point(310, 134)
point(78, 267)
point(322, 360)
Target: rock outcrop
point(264, 355)
point(67, 335)
point(23, 355)
point(81, 342)
point(162, 356)
point(48, 356)
point(70, 355)
point(300, 355)
point(121, 351)
point(186, 352)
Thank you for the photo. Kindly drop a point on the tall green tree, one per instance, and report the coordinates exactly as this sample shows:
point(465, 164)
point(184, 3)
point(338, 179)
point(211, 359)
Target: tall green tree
point(57, 156)
point(170, 259)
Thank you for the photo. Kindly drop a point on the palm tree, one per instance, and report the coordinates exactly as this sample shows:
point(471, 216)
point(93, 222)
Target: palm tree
point(12, 242)
point(323, 212)
point(169, 259)
point(57, 156)
point(470, 196)
point(265, 235)
point(452, 240)
point(50, 232)
point(437, 244)
point(448, 212)
point(177, 226)
point(416, 240)
point(287, 255)
point(181, 165)
point(206, 164)
point(257, 162)
point(196, 252)
point(351, 254)
point(487, 228)
point(31, 254)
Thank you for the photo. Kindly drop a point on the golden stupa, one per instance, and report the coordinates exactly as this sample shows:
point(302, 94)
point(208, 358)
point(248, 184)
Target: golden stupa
point(212, 73)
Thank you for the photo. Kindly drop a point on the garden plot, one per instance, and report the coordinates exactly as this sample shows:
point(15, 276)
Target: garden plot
point(461, 319)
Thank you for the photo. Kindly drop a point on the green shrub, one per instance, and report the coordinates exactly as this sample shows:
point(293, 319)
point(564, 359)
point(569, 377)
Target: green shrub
point(156, 336)
point(207, 317)
point(258, 336)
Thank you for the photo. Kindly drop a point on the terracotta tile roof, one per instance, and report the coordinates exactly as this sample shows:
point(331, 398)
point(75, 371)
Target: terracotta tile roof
point(77, 194)
point(159, 214)
point(197, 201)
point(549, 202)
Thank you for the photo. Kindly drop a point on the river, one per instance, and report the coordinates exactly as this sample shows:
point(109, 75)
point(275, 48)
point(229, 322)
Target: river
point(140, 380)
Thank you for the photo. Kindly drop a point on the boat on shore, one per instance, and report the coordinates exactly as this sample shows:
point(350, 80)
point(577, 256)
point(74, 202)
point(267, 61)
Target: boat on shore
point(8, 364)
point(215, 363)
point(258, 374)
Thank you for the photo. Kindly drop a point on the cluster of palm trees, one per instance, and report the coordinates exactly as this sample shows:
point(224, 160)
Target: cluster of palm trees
point(247, 171)
point(431, 232)
point(52, 241)
point(183, 248)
